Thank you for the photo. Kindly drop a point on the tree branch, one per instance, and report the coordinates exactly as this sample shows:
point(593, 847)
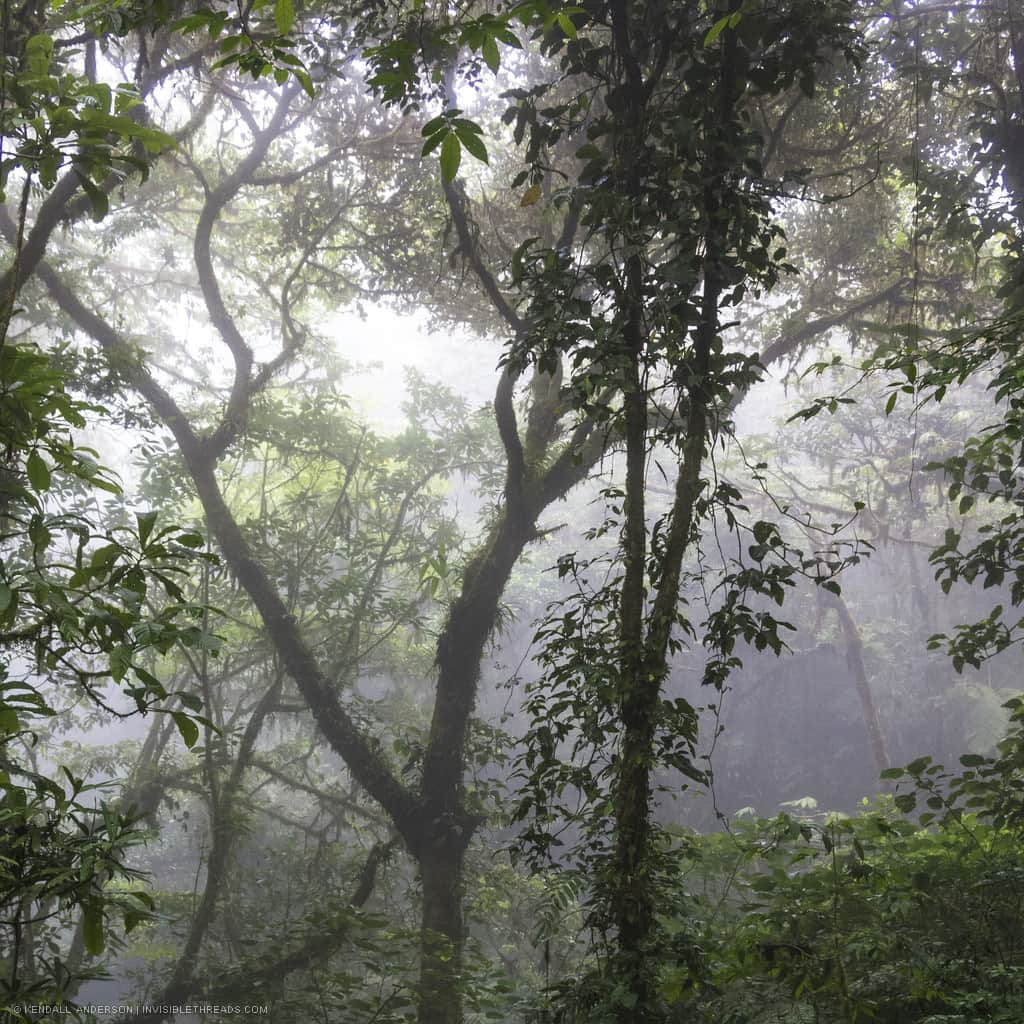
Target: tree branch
point(360, 752)
point(236, 412)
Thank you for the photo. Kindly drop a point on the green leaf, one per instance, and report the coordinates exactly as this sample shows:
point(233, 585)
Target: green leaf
point(434, 125)
point(39, 534)
point(566, 25)
point(188, 729)
point(473, 143)
point(972, 760)
point(451, 157)
point(145, 521)
point(433, 142)
point(150, 681)
point(97, 197)
point(492, 58)
point(531, 196)
point(103, 556)
point(716, 30)
point(133, 918)
point(190, 700)
point(305, 81)
point(92, 926)
point(38, 472)
point(284, 15)
point(38, 54)
point(905, 802)
point(120, 660)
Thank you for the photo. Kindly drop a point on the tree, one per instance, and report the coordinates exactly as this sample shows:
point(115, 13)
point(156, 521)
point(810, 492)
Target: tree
point(73, 613)
point(80, 602)
point(674, 216)
point(966, 209)
point(618, 309)
point(617, 354)
point(432, 817)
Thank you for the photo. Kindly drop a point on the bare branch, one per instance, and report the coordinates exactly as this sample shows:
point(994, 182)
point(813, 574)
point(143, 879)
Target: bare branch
point(236, 412)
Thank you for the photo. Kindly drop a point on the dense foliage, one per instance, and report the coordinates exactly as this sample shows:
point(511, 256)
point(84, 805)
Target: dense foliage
point(290, 715)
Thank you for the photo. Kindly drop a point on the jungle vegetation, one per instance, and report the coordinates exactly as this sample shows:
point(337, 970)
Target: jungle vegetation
point(679, 681)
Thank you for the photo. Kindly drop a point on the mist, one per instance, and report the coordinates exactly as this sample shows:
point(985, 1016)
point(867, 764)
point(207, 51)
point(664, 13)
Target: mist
point(511, 513)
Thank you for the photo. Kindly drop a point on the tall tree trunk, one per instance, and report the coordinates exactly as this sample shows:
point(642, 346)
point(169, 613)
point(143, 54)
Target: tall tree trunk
point(645, 633)
point(632, 892)
point(447, 826)
point(442, 938)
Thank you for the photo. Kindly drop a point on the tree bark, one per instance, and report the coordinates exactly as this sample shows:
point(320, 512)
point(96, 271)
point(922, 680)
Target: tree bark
point(855, 661)
point(442, 932)
point(645, 634)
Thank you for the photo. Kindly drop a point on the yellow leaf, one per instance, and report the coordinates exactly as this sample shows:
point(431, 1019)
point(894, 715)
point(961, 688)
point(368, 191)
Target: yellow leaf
point(530, 196)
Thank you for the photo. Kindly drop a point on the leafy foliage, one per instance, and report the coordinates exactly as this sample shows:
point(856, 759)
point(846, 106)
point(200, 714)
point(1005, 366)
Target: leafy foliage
point(875, 916)
point(985, 471)
point(80, 604)
point(53, 117)
point(656, 169)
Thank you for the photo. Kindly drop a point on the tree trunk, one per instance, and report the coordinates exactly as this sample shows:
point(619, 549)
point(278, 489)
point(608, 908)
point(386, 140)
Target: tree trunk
point(855, 661)
point(645, 633)
point(442, 937)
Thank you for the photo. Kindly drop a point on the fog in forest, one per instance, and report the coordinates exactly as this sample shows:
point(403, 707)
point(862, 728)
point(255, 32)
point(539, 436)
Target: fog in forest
point(512, 512)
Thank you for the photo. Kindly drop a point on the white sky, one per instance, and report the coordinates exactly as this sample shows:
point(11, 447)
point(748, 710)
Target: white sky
point(385, 343)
